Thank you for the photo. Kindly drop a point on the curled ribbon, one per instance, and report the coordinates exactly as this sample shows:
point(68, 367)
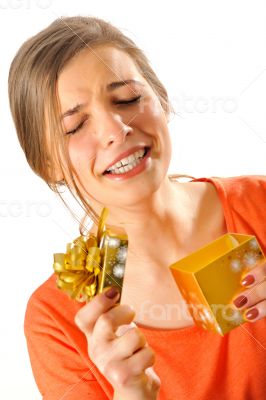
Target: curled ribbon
point(79, 269)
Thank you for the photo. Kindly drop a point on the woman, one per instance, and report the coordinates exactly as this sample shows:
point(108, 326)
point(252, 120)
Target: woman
point(83, 98)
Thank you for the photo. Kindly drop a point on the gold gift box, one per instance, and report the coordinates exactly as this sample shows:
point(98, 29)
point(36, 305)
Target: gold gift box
point(113, 255)
point(92, 263)
point(210, 278)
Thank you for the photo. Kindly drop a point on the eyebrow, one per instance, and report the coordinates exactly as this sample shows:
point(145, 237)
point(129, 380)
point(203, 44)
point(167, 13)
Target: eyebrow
point(118, 84)
point(110, 87)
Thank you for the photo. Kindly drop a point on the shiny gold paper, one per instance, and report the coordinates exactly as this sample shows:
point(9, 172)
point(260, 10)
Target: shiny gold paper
point(92, 263)
point(209, 279)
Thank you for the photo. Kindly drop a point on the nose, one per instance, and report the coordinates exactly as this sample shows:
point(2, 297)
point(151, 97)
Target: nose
point(110, 128)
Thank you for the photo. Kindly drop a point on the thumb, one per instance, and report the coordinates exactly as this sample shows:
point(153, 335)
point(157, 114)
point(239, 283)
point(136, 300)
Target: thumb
point(87, 316)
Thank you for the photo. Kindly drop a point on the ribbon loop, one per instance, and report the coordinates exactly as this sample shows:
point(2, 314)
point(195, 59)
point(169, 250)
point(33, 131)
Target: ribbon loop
point(79, 268)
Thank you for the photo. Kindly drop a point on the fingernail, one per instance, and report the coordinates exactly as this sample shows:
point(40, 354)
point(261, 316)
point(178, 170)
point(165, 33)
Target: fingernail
point(240, 301)
point(112, 292)
point(252, 314)
point(248, 280)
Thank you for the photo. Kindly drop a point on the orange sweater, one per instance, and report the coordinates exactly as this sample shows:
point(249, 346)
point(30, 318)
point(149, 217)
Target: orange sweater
point(192, 363)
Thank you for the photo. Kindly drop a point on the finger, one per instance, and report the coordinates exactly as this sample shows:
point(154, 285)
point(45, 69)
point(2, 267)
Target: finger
point(254, 276)
point(124, 328)
point(251, 297)
point(131, 371)
point(138, 362)
point(127, 344)
point(253, 314)
point(108, 322)
point(122, 347)
point(87, 316)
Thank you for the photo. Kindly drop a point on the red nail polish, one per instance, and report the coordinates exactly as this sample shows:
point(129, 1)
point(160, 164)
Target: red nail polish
point(240, 301)
point(248, 280)
point(252, 314)
point(111, 293)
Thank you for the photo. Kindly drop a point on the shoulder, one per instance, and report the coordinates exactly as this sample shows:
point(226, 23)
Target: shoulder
point(49, 305)
point(57, 348)
point(243, 193)
point(239, 185)
point(239, 191)
point(243, 202)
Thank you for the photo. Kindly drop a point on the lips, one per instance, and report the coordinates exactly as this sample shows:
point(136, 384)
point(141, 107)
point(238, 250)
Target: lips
point(125, 155)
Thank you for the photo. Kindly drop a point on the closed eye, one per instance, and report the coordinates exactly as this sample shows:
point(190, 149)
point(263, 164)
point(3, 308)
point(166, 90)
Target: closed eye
point(129, 101)
point(120, 102)
point(75, 130)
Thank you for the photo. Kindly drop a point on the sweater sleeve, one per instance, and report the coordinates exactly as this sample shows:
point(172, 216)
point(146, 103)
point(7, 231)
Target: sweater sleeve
point(59, 369)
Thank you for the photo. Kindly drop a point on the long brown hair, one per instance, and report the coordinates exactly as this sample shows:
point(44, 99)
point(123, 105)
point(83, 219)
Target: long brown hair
point(33, 94)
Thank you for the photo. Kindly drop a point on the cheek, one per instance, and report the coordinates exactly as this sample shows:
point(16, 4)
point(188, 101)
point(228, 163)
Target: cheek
point(152, 114)
point(81, 151)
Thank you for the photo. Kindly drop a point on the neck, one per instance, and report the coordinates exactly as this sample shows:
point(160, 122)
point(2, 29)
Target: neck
point(163, 214)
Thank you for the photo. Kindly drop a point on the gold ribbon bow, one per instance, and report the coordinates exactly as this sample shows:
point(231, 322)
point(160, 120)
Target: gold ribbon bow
point(78, 270)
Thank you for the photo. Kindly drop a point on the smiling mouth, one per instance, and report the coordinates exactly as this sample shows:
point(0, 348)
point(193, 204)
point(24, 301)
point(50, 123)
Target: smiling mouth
point(128, 163)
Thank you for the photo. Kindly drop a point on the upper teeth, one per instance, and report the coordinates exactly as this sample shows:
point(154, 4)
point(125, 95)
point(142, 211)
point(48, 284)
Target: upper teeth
point(128, 160)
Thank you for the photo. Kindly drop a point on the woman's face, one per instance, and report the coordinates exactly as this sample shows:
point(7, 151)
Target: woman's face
point(115, 126)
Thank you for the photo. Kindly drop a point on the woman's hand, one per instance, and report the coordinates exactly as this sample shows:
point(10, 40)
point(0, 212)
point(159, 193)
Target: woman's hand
point(253, 300)
point(121, 359)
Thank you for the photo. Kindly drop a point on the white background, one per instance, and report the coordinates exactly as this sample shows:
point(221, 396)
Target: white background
point(210, 55)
